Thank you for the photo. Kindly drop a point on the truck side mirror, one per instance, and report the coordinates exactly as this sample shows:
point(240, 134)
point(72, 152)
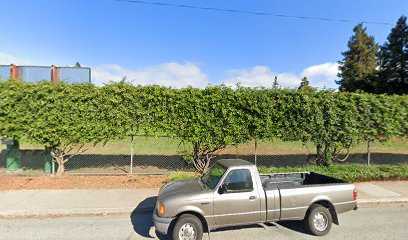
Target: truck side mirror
point(223, 189)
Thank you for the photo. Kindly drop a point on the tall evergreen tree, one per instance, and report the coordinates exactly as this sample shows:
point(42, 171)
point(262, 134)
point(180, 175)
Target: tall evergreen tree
point(275, 83)
point(358, 69)
point(394, 60)
point(304, 85)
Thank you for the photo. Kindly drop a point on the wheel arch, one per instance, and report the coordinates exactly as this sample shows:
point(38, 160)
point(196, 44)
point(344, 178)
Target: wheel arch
point(327, 204)
point(198, 215)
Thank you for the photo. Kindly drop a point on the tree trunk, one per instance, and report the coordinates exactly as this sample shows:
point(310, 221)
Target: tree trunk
point(58, 157)
point(61, 168)
point(324, 155)
point(200, 161)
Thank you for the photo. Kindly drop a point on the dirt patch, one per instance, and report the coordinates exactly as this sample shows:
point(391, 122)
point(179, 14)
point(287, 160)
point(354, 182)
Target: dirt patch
point(80, 182)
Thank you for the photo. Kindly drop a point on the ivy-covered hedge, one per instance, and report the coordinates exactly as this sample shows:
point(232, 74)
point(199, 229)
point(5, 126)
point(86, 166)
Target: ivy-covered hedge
point(59, 116)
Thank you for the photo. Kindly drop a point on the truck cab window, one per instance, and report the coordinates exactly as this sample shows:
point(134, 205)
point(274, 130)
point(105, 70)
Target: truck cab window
point(239, 180)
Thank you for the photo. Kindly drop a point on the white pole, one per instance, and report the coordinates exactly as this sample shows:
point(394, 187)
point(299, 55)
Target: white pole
point(368, 153)
point(256, 147)
point(131, 155)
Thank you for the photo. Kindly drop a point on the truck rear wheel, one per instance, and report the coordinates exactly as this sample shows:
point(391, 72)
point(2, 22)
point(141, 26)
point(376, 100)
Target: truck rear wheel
point(318, 220)
point(188, 227)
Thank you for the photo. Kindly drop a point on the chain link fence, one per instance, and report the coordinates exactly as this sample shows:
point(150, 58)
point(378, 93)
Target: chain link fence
point(162, 155)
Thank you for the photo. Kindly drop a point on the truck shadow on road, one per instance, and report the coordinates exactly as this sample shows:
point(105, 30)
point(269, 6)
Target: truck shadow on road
point(142, 221)
point(297, 226)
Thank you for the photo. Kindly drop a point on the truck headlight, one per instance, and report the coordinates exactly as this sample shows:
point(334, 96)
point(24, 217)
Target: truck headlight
point(161, 210)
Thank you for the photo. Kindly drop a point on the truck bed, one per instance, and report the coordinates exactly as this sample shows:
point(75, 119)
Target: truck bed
point(292, 180)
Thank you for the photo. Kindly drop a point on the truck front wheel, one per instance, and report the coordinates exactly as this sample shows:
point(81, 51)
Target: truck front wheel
point(188, 227)
point(318, 220)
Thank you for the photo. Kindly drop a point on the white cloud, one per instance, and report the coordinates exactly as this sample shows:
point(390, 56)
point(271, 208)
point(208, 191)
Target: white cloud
point(328, 70)
point(259, 76)
point(322, 75)
point(167, 74)
point(6, 59)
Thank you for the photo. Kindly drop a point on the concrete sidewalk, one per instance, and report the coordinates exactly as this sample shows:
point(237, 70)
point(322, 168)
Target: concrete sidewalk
point(45, 203)
point(42, 203)
point(382, 192)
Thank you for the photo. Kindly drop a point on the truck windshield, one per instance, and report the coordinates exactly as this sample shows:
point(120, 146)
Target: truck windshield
point(213, 176)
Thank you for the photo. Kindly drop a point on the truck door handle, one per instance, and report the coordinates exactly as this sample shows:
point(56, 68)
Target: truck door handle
point(252, 198)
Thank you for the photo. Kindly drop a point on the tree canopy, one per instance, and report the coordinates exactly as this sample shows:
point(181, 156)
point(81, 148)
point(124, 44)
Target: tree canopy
point(368, 68)
point(358, 69)
point(394, 60)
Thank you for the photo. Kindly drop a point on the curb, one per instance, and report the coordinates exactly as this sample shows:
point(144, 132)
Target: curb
point(382, 200)
point(73, 212)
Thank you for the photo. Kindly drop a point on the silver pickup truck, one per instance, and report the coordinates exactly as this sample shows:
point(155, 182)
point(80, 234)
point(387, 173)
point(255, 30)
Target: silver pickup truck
point(233, 193)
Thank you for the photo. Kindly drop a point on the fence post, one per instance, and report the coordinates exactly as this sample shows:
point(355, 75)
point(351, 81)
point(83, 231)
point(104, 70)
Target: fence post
point(368, 153)
point(256, 148)
point(53, 167)
point(131, 155)
point(54, 74)
point(14, 71)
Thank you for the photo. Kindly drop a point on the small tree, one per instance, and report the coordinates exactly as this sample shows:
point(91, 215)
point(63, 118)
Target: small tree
point(304, 85)
point(209, 120)
point(66, 118)
point(379, 118)
point(332, 126)
point(275, 83)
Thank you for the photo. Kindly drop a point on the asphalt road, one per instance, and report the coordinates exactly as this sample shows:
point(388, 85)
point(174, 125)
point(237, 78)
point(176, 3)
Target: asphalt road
point(367, 223)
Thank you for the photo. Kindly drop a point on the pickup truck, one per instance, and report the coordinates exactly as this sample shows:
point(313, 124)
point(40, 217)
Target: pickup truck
point(232, 193)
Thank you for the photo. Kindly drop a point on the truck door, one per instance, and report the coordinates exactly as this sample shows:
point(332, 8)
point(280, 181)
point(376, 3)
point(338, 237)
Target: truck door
point(237, 201)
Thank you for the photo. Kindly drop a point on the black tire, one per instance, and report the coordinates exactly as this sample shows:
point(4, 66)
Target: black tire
point(314, 216)
point(192, 222)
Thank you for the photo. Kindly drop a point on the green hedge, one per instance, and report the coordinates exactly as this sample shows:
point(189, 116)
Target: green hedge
point(59, 115)
point(349, 172)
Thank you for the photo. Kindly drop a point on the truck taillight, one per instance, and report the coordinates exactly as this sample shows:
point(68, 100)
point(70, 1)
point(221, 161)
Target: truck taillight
point(355, 194)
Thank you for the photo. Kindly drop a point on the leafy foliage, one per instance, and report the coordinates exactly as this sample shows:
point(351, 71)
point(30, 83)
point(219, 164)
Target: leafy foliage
point(369, 68)
point(56, 115)
point(64, 117)
point(346, 172)
point(349, 172)
point(304, 85)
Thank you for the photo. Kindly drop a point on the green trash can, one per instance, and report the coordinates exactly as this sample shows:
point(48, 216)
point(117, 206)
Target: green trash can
point(12, 154)
point(47, 161)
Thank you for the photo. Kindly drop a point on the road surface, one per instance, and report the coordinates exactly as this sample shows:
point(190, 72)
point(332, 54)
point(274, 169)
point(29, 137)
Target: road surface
point(376, 222)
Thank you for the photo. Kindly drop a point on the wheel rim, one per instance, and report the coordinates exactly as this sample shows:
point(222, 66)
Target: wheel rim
point(320, 221)
point(187, 232)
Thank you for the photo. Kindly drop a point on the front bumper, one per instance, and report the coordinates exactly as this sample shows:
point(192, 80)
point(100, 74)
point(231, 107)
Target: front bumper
point(160, 223)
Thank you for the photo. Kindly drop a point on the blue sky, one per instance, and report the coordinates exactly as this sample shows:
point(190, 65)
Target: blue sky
point(180, 47)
